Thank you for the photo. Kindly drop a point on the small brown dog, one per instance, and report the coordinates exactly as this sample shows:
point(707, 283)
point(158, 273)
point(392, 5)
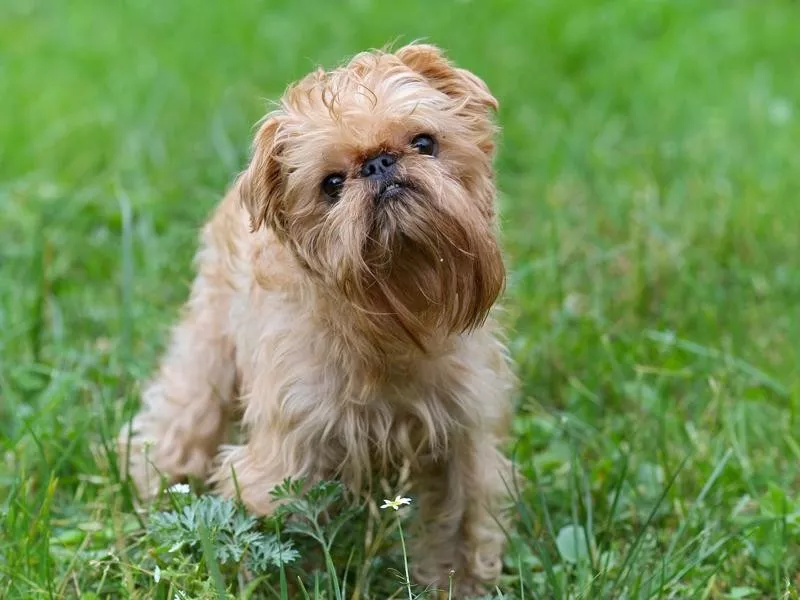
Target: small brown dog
point(341, 307)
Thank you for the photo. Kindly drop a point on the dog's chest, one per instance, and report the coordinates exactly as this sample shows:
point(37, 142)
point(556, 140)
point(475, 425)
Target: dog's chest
point(299, 383)
point(407, 417)
point(297, 376)
point(396, 426)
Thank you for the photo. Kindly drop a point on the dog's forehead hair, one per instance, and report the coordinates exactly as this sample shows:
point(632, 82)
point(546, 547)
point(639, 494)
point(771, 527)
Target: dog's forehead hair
point(368, 84)
point(369, 104)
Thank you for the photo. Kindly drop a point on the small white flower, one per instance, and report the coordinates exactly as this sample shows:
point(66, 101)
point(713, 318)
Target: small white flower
point(179, 488)
point(157, 574)
point(396, 503)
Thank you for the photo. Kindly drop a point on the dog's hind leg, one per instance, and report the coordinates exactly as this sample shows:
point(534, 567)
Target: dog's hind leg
point(185, 408)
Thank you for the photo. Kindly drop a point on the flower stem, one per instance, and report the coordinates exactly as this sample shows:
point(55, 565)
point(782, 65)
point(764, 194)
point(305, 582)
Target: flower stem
point(405, 559)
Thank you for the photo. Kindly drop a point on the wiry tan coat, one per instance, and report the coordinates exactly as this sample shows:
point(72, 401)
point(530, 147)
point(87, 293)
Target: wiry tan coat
point(351, 335)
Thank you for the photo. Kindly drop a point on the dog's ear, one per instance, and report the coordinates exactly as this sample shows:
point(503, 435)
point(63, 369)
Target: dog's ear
point(261, 186)
point(460, 84)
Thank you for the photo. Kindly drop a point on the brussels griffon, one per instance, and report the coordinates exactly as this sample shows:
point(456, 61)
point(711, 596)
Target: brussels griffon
point(341, 311)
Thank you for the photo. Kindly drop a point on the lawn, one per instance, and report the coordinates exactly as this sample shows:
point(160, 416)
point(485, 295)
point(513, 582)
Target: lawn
point(650, 177)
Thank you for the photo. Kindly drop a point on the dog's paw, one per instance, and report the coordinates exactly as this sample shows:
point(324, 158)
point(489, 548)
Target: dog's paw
point(470, 588)
point(135, 462)
point(465, 586)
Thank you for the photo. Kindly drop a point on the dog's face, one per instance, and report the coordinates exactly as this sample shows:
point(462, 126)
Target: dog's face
point(378, 177)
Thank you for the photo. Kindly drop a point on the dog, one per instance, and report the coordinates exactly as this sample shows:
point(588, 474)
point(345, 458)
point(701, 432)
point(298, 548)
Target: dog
point(341, 311)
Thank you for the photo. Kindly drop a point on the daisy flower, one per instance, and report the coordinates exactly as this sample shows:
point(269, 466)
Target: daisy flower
point(396, 503)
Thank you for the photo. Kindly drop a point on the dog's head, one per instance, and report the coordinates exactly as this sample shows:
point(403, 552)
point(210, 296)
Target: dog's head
point(378, 177)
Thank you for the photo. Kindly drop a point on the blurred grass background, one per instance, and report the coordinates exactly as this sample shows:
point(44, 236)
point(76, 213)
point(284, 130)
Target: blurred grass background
point(649, 170)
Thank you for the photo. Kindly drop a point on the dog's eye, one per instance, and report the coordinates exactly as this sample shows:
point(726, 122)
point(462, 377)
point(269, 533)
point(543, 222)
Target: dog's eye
point(425, 144)
point(332, 185)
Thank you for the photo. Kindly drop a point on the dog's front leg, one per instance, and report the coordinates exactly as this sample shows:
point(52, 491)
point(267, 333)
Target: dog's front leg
point(250, 472)
point(461, 507)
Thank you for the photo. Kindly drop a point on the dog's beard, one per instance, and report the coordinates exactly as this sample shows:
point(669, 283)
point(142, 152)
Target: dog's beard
point(427, 265)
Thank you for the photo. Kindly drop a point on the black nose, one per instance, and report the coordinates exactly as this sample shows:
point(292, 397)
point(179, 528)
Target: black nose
point(379, 167)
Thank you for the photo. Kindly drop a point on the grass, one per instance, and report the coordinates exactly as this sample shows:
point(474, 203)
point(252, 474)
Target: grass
point(650, 178)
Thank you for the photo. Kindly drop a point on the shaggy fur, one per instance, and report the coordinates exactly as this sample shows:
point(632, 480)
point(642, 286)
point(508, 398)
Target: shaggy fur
point(351, 335)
